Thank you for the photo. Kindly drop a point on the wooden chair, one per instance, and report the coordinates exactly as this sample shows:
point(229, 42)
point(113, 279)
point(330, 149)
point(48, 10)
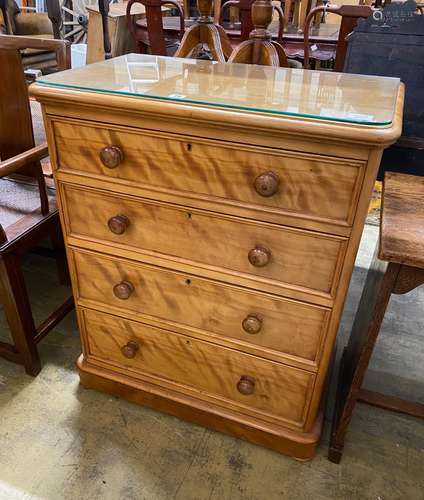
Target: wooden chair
point(28, 213)
point(324, 52)
point(260, 48)
point(245, 15)
point(154, 34)
point(35, 25)
point(104, 12)
point(398, 269)
point(245, 18)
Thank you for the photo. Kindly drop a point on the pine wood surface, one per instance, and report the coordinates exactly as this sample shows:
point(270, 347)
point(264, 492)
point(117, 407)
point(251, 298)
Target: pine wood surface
point(209, 308)
point(322, 188)
point(402, 220)
point(304, 259)
point(203, 369)
point(207, 122)
point(204, 235)
point(279, 438)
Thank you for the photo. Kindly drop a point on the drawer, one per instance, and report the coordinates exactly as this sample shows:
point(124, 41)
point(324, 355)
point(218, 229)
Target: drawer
point(236, 380)
point(267, 324)
point(310, 186)
point(263, 251)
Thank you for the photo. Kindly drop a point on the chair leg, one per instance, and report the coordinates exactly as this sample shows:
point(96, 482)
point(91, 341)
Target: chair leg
point(18, 312)
point(58, 245)
point(141, 47)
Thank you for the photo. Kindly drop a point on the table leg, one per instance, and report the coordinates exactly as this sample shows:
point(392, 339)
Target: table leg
point(304, 7)
point(380, 281)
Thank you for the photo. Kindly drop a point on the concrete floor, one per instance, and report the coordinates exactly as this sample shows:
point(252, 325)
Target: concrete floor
point(60, 441)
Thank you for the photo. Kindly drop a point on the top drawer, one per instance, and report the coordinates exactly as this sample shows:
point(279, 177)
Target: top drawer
point(275, 181)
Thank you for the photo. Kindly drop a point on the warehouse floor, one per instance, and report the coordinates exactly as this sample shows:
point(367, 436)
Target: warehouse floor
point(60, 441)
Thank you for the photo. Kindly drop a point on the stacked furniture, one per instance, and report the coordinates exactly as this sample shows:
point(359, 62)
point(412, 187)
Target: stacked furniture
point(212, 218)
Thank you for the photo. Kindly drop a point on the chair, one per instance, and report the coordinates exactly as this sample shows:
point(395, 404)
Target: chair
point(154, 34)
point(397, 268)
point(324, 52)
point(245, 14)
point(34, 25)
point(246, 25)
point(28, 212)
point(260, 48)
point(104, 12)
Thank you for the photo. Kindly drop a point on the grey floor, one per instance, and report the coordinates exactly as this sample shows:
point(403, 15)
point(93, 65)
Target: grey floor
point(60, 441)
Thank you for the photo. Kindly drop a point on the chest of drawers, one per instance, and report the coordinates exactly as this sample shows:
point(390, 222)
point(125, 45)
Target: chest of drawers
point(211, 245)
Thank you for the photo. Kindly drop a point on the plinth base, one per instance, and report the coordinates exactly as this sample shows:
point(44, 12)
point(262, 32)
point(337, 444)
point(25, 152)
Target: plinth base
point(298, 445)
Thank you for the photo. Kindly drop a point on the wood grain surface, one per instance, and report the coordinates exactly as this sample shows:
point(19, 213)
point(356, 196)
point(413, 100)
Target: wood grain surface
point(280, 392)
point(321, 188)
point(281, 438)
point(402, 220)
point(305, 259)
point(288, 327)
point(186, 184)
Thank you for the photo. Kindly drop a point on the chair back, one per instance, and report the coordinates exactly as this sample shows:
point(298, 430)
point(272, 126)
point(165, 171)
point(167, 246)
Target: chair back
point(350, 15)
point(55, 15)
point(155, 31)
point(245, 13)
point(16, 131)
point(16, 134)
point(9, 9)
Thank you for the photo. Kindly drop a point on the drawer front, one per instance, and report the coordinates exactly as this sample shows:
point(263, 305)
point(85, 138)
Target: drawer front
point(279, 325)
point(263, 251)
point(243, 381)
point(321, 188)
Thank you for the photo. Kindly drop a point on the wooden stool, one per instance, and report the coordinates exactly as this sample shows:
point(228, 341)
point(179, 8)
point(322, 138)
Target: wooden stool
point(398, 269)
point(205, 32)
point(260, 48)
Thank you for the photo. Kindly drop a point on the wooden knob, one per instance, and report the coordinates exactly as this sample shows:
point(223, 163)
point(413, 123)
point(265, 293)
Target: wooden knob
point(259, 256)
point(118, 224)
point(129, 350)
point(267, 184)
point(123, 290)
point(252, 324)
point(111, 156)
point(246, 385)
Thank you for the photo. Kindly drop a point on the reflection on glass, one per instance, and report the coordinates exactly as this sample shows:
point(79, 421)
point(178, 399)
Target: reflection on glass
point(313, 94)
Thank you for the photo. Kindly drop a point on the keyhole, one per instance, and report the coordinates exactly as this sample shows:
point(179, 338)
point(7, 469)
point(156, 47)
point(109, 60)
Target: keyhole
point(188, 215)
point(188, 147)
point(188, 282)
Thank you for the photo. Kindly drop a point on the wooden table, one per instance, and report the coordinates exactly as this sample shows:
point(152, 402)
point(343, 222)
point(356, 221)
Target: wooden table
point(212, 219)
point(397, 268)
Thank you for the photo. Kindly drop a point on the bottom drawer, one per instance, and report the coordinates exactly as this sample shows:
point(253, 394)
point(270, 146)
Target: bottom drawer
point(230, 378)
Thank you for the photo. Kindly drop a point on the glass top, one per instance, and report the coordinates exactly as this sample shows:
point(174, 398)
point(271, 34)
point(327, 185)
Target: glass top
point(342, 97)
